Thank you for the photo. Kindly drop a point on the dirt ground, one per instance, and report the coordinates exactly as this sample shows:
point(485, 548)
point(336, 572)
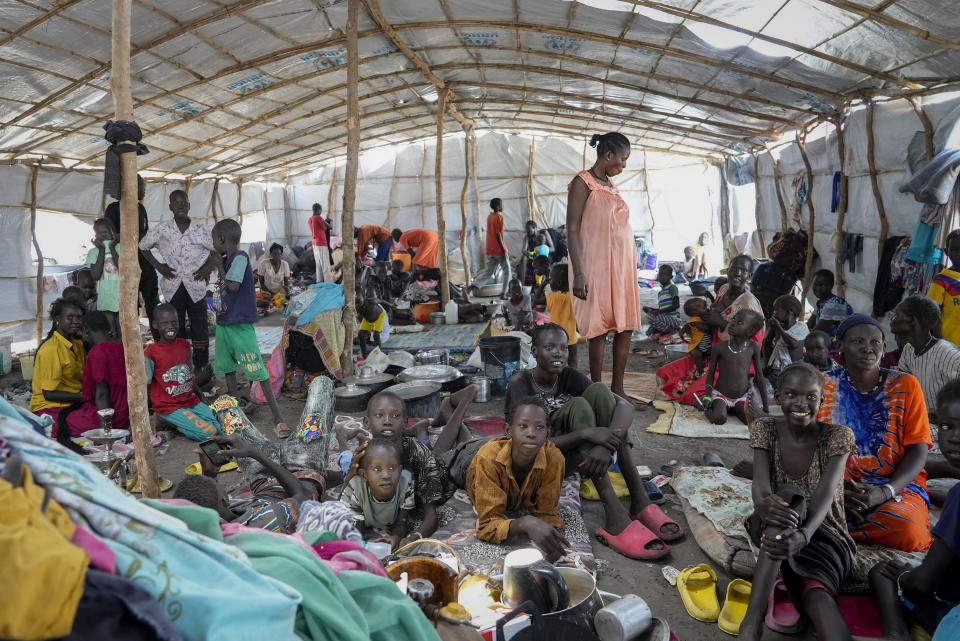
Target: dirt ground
point(617, 574)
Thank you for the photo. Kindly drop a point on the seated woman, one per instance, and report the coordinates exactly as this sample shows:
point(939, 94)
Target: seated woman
point(589, 424)
point(274, 273)
point(885, 490)
point(104, 379)
point(58, 365)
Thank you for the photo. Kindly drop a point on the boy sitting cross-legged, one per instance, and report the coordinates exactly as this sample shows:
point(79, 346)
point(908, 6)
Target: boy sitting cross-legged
point(173, 387)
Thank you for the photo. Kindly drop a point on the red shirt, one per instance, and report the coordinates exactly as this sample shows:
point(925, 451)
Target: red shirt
point(105, 363)
point(318, 227)
point(171, 386)
point(494, 227)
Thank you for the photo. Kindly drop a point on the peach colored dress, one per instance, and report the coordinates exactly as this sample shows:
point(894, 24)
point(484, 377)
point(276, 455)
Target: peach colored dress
point(608, 258)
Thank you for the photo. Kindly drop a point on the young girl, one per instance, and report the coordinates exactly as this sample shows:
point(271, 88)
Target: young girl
point(701, 338)
point(374, 325)
point(104, 378)
point(381, 494)
point(103, 260)
point(799, 520)
point(560, 309)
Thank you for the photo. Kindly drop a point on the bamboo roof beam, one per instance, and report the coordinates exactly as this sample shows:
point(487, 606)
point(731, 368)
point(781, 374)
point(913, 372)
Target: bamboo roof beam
point(373, 10)
point(706, 19)
point(876, 16)
point(39, 20)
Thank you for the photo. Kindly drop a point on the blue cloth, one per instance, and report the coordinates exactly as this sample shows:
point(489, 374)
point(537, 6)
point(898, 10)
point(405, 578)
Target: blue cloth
point(835, 196)
point(239, 306)
point(921, 245)
point(207, 588)
point(947, 528)
point(934, 181)
point(949, 628)
point(383, 250)
point(321, 297)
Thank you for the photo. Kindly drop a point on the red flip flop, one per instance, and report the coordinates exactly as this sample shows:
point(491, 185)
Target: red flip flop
point(633, 542)
point(654, 519)
point(782, 616)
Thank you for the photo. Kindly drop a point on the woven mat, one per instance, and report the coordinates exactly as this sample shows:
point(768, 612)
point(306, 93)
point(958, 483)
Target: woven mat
point(640, 387)
point(686, 420)
point(462, 337)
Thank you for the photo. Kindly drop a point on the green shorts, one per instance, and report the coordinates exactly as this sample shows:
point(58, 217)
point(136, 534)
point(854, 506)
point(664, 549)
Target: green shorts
point(197, 422)
point(237, 345)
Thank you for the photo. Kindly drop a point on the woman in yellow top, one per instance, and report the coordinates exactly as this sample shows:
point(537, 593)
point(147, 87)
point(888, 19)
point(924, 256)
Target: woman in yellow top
point(560, 309)
point(58, 366)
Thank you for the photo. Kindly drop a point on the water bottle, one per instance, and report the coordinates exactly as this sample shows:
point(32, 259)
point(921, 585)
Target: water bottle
point(451, 310)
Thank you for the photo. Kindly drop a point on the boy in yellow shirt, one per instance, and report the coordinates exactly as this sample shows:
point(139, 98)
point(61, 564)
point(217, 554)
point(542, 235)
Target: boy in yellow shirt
point(945, 291)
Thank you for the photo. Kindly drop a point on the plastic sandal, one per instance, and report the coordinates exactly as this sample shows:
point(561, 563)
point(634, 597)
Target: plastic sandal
point(194, 468)
point(633, 542)
point(654, 492)
point(133, 484)
point(698, 591)
point(282, 431)
point(735, 607)
point(654, 518)
point(782, 615)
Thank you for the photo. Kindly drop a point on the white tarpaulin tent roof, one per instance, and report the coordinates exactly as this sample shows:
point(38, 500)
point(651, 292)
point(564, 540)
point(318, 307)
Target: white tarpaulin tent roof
point(246, 100)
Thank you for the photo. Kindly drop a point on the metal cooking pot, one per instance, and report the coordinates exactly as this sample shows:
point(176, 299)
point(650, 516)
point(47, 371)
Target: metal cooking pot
point(438, 318)
point(421, 398)
point(483, 388)
point(351, 397)
point(433, 356)
point(370, 379)
point(585, 600)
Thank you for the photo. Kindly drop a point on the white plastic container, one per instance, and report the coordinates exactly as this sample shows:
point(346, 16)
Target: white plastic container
point(451, 311)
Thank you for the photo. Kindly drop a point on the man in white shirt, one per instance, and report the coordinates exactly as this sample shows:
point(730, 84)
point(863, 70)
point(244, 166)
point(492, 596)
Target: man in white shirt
point(187, 251)
point(933, 361)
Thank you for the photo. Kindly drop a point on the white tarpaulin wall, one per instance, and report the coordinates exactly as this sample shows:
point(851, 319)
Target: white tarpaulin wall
point(680, 188)
point(895, 124)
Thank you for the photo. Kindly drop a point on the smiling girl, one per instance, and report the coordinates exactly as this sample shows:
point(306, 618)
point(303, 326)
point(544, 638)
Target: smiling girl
point(798, 520)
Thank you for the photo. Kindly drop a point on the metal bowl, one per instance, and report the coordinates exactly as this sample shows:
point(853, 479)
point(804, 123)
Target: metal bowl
point(435, 373)
point(438, 318)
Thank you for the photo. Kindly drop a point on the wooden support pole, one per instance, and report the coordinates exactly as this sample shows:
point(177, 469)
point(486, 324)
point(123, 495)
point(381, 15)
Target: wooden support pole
point(927, 125)
point(287, 217)
point(350, 187)
point(756, 203)
point(476, 192)
point(129, 261)
point(213, 197)
point(531, 213)
point(811, 220)
point(438, 187)
point(839, 278)
point(646, 188)
point(388, 222)
point(36, 247)
point(423, 196)
point(875, 181)
point(776, 183)
point(240, 202)
point(464, 226)
point(332, 193)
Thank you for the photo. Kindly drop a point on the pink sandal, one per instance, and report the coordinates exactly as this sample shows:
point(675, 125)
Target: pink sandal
point(782, 615)
point(633, 542)
point(654, 518)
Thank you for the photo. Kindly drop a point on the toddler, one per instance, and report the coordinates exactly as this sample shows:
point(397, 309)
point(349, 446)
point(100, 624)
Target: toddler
point(816, 351)
point(374, 325)
point(517, 307)
point(700, 337)
point(665, 317)
point(783, 341)
point(730, 363)
point(381, 494)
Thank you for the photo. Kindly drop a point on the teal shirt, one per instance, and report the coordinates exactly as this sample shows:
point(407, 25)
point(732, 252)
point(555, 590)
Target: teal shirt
point(108, 287)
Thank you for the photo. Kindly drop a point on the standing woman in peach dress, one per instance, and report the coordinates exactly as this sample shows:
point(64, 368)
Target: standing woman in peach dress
point(603, 257)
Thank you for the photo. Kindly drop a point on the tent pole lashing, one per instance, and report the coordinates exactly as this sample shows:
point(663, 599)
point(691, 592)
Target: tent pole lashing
point(130, 270)
point(350, 187)
point(438, 186)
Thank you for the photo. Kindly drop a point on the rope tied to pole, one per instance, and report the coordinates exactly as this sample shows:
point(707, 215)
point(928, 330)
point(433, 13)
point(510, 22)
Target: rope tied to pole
point(124, 137)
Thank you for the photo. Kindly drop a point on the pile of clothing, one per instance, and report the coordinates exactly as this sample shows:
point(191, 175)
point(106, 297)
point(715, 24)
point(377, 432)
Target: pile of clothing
point(89, 561)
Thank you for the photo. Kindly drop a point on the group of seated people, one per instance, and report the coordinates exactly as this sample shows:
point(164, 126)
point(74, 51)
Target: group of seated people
point(848, 460)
